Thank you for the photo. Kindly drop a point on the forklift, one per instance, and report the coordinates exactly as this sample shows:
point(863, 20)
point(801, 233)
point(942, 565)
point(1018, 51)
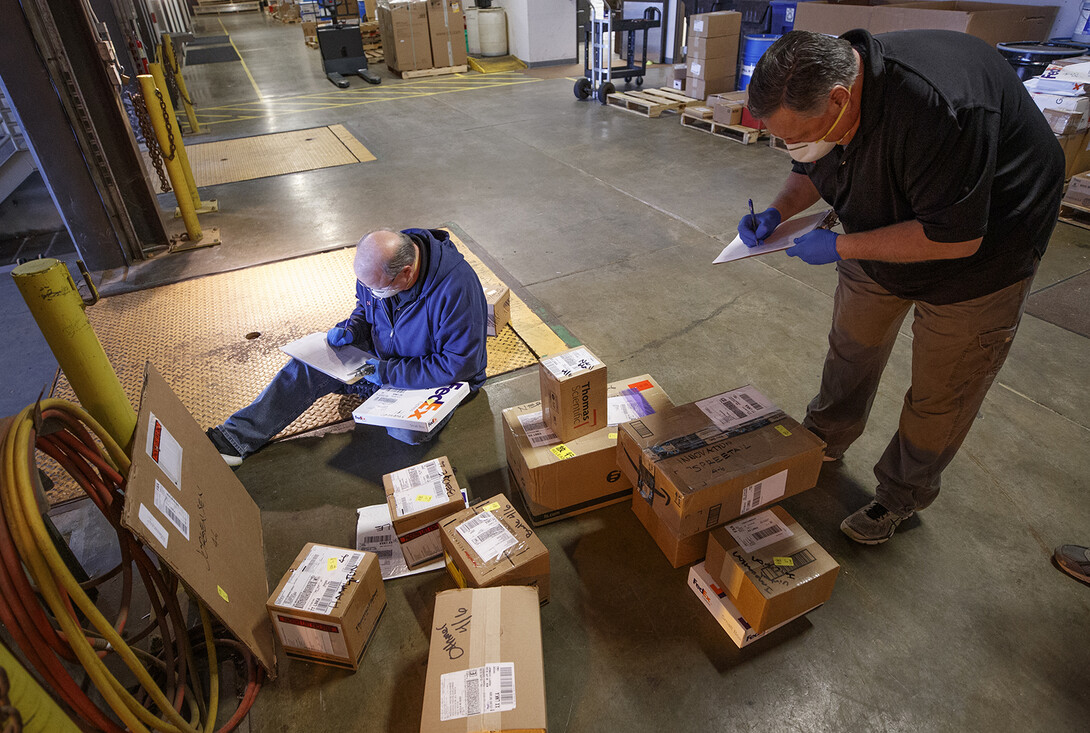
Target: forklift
point(341, 46)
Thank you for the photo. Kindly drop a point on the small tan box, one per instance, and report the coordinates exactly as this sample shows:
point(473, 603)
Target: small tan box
point(419, 496)
point(499, 308)
point(573, 393)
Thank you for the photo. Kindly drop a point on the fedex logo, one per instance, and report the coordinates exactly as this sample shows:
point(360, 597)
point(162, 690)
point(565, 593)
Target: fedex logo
point(434, 401)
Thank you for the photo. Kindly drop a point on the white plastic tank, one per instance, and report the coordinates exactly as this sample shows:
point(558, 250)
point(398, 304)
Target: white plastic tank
point(492, 30)
point(1081, 32)
point(473, 36)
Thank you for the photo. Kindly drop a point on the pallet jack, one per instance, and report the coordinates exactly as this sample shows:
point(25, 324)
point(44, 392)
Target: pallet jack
point(341, 47)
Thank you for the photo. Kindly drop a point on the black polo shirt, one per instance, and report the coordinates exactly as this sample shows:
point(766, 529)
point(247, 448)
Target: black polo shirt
point(950, 137)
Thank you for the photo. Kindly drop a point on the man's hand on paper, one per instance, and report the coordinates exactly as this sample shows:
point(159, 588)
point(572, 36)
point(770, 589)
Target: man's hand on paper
point(371, 372)
point(338, 336)
point(753, 235)
point(816, 248)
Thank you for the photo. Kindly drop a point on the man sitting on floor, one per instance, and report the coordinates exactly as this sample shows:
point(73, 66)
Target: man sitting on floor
point(420, 309)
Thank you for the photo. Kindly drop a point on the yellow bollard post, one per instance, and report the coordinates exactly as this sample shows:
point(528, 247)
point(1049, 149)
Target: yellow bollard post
point(58, 308)
point(172, 121)
point(172, 162)
point(171, 60)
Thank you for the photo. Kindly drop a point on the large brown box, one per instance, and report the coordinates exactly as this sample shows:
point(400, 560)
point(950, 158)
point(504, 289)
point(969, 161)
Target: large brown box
point(573, 392)
point(701, 88)
point(559, 480)
point(486, 670)
point(447, 31)
point(712, 70)
point(418, 497)
point(696, 474)
point(406, 40)
point(322, 619)
point(778, 573)
point(680, 551)
point(524, 561)
point(713, 47)
point(722, 23)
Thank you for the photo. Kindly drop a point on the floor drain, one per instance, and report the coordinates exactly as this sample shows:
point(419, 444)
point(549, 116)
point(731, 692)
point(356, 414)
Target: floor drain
point(252, 335)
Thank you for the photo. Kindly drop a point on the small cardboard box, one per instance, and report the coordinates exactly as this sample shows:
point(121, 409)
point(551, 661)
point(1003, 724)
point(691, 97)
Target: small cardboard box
point(727, 114)
point(498, 300)
point(310, 30)
point(701, 88)
point(717, 602)
point(559, 480)
point(1078, 191)
point(707, 25)
point(406, 40)
point(573, 392)
point(1076, 154)
point(679, 85)
point(1065, 122)
point(418, 497)
point(327, 606)
point(770, 568)
point(447, 31)
point(679, 551)
point(679, 71)
point(713, 70)
point(713, 47)
point(707, 462)
point(486, 670)
point(490, 544)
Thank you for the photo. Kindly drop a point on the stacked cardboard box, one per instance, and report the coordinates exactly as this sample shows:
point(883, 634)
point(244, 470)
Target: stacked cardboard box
point(1061, 95)
point(702, 464)
point(422, 34)
point(712, 53)
point(446, 26)
point(418, 498)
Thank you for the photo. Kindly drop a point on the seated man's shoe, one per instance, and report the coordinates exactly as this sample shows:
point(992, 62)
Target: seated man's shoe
point(873, 524)
point(227, 451)
point(1074, 560)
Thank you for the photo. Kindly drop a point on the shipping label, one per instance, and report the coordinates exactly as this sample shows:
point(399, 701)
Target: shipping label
point(627, 406)
point(420, 487)
point(318, 582)
point(736, 407)
point(760, 530)
point(764, 491)
point(313, 636)
point(477, 691)
point(487, 536)
point(537, 432)
point(171, 509)
point(572, 362)
point(164, 450)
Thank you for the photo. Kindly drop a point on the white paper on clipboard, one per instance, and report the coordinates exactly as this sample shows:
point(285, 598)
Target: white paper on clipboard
point(781, 239)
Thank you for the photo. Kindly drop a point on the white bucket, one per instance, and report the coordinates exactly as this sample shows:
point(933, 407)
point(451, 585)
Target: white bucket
point(1081, 34)
point(492, 29)
point(473, 36)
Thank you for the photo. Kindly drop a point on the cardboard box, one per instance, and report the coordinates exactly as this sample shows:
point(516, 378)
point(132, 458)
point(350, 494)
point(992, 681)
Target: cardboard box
point(485, 651)
point(418, 497)
point(310, 30)
point(701, 88)
point(711, 70)
point(679, 85)
point(993, 22)
point(679, 551)
point(573, 392)
point(447, 32)
point(705, 463)
point(714, 47)
point(707, 25)
point(498, 300)
point(559, 480)
point(1078, 191)
point(190, 509)
point(489, 544)
point(717, 602)
point(770, 568)
point(1076, 153)
point(1044, 101)
point(1065, 122)
point(406, 39)
point(327, 606)
point(727, 114)
point(679, 71)
point(734, 98)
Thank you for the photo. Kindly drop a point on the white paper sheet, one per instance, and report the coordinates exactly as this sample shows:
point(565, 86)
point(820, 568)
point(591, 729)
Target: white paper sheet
point(539, 434)
point(375, 533)
point(781, 239)
point(345, 363)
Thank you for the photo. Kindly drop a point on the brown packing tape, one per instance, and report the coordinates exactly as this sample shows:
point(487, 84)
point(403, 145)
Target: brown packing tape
point(484, 646)
point(492, 639)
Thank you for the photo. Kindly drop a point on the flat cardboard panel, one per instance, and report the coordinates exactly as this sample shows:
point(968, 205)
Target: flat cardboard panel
point(475, 627)
point(223, 560)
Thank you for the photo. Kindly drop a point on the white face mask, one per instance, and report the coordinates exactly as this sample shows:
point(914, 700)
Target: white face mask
point(384, 293)
point(809, 152)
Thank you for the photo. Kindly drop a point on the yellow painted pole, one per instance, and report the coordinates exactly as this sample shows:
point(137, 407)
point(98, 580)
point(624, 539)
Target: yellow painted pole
point(161, 83)
point(171, 59)
point(58, 308)
point(174, 165)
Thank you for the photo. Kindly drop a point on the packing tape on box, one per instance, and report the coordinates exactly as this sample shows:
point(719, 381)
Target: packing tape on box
point(492, 636)
point(446, 24)
point(710, 436)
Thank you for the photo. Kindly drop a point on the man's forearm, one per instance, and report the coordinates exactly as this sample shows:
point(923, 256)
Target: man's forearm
point(798, 194)
point(903, 242)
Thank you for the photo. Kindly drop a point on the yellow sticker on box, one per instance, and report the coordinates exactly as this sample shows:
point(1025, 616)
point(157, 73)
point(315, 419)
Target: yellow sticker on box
point(613, 436)
point(784, 561)
point(424, 498)
point(331, 564)
point(223, 594)
point(562, 452)
point(783, 431)
point(491, 507)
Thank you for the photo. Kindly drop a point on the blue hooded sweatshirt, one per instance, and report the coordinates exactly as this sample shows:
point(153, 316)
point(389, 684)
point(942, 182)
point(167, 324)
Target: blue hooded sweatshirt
point(433, 334)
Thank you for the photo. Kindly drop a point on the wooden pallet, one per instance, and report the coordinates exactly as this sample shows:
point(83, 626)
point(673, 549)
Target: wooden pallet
point(1075, 215)
point(420, 73)
point(642, 103)
point(375, 57)
point(737, 133)
point(674, 94)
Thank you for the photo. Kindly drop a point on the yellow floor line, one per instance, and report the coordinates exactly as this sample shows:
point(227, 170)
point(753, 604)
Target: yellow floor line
point(245, 68)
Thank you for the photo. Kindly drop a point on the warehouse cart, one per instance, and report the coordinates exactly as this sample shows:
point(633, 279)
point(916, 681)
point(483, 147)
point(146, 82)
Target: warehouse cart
point(598, 69)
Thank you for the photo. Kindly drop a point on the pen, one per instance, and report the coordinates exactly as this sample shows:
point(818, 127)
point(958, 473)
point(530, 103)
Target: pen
point(753, 216)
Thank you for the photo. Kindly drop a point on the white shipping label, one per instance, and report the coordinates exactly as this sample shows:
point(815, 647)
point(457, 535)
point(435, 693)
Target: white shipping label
point(736, 407)
point(375, 533)
point(477, 691)
point(487, 536)
point(297, 633)
point(764, 491)
point(572, 362)
point(539, 434)
point(154, 525)
point(698, 26)
point(420, 487)
point(760, 530)
point(319, 580)
point(627, 406)
point(696, 69)
point(171, 509)
point(164, 450)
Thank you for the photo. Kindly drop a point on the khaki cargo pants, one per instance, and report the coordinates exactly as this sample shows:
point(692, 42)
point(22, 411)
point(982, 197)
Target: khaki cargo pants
point(957, 350)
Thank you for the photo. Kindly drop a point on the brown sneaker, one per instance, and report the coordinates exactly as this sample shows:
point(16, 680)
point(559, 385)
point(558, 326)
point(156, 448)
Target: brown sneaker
point(1074, 560)
point(873, 524)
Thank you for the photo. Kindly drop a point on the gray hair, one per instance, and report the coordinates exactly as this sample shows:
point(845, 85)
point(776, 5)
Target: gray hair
point(404, 252)
point(797, 73)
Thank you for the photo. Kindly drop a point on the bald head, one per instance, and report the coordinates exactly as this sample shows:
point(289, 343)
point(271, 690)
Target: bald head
point(383, 257)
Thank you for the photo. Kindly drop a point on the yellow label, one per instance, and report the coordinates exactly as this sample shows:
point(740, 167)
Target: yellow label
point(331, 564)
point(491, 507)
point(424, 498)
point(784, 561)
point(454, 572)
point(562, 452)
point(613, 436)
point(223, 594)
point(783, 431)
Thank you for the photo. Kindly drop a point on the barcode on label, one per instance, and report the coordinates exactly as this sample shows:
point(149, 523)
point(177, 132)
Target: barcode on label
point(328, 599)
point(750, 401)
point(383, 399)
point(507, 685)
point(169, 506)
point(732, 408)
point(312, 583)
point(762, 533)
point(754, 498)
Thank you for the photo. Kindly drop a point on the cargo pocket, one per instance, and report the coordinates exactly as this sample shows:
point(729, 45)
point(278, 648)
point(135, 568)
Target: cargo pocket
point(994, 346)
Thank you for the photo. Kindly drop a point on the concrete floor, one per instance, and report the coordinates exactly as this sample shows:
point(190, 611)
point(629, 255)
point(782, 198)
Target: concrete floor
point(610, 221)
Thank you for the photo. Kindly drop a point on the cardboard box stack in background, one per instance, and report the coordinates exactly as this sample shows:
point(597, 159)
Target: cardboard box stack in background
point(1078, 191)
point(573, 392)
point(728, 107)
point(328, 604)
point(702, 464)
point(712, 53)
point(447, 28)
point(498, 300)
point(561, 479)
point(418, 497)
point(406, 39)
point(680, 72)
point(1061, 95)
point(489, 544)
point(486, 669)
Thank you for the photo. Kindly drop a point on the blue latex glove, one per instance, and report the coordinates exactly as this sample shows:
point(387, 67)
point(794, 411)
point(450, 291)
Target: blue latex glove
point(767, 221)
point(338, 336)
point(372, 375)
point(816, 248)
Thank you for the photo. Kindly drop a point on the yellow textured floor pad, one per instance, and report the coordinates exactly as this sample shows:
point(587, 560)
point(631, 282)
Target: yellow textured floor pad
point(246, 158)
point(496, 64)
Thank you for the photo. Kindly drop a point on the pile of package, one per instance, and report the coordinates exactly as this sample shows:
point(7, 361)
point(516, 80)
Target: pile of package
point(1061, 94)
point(422, 34)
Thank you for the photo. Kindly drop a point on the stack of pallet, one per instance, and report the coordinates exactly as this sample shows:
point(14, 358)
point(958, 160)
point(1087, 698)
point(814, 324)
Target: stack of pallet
point(372, 41)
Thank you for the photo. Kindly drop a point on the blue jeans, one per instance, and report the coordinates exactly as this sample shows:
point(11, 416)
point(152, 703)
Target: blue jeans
point(295, 388)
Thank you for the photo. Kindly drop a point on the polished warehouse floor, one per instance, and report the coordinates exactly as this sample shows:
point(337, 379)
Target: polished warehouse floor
point(609, 222)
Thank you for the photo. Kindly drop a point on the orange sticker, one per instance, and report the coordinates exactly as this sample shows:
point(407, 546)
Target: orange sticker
point(641, 386)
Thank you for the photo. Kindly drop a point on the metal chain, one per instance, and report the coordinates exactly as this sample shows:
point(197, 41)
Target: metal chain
point(146, 130)
point(172, 78)
point(166, 121)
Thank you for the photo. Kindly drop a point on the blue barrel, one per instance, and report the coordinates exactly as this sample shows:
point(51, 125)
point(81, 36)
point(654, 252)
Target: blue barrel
point(752, 51)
